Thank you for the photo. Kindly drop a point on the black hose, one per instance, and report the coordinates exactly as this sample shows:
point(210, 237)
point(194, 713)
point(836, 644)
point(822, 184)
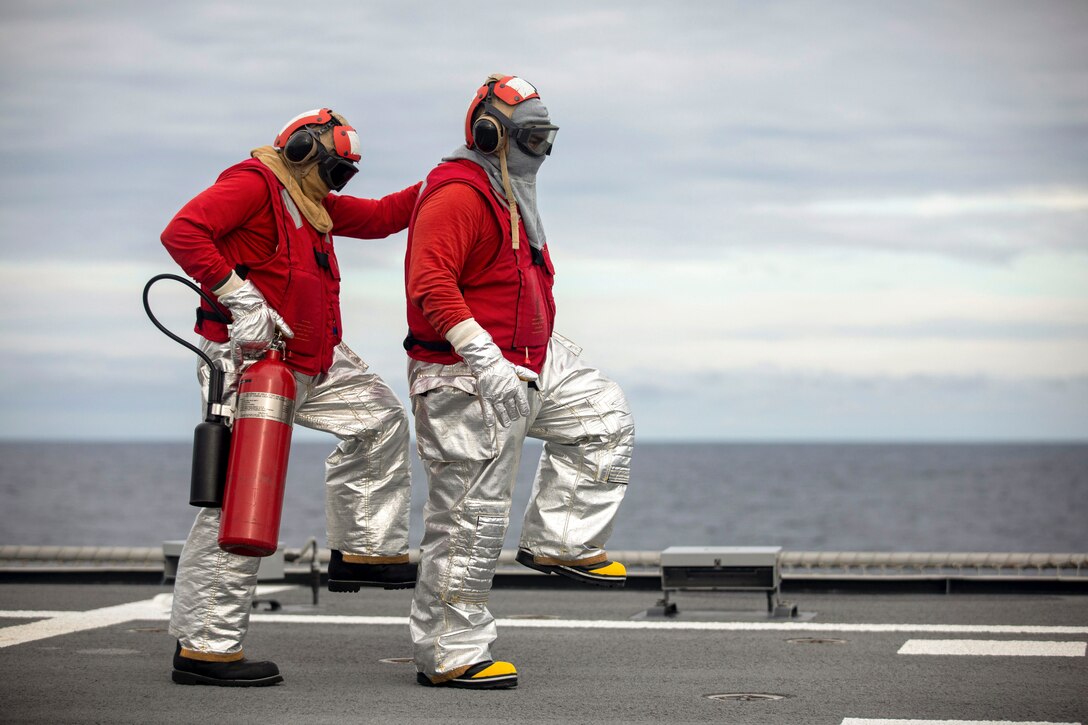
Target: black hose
point(211, 440)
point(162, 328)
point(215, 383)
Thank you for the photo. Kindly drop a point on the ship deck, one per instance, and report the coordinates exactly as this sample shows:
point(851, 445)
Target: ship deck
point(74, 650)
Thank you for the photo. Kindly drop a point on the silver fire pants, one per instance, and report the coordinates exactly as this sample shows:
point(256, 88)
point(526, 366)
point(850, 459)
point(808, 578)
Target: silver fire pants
point(588, 434)
point(367, 497)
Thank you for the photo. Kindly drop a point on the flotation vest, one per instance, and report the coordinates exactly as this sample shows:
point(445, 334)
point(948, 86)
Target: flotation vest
point(300, 280)
point(513, 302)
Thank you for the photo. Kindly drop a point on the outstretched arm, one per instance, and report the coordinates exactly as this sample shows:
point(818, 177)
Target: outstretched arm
point(371, 218)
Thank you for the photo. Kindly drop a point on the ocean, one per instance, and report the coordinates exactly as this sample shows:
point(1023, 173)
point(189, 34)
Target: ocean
point(802, 497)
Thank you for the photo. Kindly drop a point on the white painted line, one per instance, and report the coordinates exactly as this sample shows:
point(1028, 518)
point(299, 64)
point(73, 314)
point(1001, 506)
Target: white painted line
point(60, 623)
point(328, 619)
point(993, 647)
point(790, 627)
point(634, 624)
point(867, 721)
point(692, 626)
point(56, 623)
point(69, 622)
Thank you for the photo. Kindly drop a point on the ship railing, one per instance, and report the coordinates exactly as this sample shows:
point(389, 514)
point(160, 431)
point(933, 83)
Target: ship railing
point(793, 564)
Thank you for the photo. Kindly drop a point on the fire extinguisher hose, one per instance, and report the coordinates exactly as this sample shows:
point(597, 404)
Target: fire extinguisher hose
point(162, 328)
point(215, 391)
point(211, 439)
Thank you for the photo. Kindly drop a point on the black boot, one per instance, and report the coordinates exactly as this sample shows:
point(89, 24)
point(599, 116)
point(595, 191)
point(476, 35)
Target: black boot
point(347, 577)
point(240, 673)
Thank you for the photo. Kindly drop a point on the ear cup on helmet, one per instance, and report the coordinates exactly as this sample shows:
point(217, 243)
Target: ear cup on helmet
point(487, 134)
point(299, 146)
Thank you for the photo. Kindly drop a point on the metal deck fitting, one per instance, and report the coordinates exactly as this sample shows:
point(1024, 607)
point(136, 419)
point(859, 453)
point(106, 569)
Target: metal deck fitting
point(723, 568)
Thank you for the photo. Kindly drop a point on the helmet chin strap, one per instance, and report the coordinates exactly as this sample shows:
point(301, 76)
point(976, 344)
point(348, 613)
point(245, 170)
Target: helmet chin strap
point(515, 237)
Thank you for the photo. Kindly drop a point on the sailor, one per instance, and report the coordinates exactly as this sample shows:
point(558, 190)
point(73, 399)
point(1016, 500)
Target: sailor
point(259, 241)
point(486, 371)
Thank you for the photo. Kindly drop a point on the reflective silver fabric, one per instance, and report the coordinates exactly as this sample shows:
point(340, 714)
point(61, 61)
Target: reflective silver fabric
point(255, 324)
point(588, 434)
point(367, 497)
point(498, 381)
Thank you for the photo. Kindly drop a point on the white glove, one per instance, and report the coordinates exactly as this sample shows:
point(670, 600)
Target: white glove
point(500, 383)
point(255, 323)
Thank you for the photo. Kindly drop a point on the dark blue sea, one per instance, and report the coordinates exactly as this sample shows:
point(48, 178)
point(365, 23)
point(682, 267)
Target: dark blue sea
point(802, 497)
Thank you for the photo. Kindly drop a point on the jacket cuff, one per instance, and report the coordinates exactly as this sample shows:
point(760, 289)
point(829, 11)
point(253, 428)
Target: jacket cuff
point(232, 284)
point(463, 331)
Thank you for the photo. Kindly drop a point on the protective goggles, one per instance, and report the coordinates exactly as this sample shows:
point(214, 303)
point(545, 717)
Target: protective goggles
point(336, 171)
point(345, 139)
point(533, 140)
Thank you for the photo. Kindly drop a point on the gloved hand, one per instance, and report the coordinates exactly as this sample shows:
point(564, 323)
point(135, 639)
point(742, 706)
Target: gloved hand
point(500, 383)
point(255, 323)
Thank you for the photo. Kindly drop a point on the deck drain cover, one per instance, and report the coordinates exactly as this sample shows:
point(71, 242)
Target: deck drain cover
point(397, 660)
point(746, 696)
point(816, 640)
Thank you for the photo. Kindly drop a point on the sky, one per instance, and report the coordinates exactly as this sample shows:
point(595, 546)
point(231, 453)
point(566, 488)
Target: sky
point(781, 221)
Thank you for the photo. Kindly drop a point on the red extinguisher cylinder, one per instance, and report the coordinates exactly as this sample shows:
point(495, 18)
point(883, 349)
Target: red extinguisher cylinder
point(260, 447)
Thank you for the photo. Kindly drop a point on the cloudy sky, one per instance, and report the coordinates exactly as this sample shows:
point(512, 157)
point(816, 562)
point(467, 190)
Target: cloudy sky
point(771, 221)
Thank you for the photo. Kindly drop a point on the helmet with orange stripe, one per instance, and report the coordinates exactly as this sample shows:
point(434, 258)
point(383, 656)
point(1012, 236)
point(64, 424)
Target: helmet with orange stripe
point(323, 138)
point(489, 124)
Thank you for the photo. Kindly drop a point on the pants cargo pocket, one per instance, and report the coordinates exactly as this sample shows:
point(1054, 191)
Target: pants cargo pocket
point(450, 420)
point(474, 569)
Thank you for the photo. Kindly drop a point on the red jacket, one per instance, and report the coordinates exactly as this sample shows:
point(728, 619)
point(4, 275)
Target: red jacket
point(461, 263)
point(246, 222)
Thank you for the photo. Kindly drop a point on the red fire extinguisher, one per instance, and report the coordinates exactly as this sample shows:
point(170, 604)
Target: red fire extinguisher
point(257, 469)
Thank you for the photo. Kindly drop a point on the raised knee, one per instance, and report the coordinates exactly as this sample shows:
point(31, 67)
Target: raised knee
point(618, 437)
point(618, 421)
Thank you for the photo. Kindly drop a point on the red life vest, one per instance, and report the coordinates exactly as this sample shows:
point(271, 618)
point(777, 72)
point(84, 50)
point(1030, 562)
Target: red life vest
point(300, 280)
point(514, 303)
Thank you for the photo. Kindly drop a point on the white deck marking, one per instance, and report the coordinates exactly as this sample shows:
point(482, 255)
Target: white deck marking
point(55, 623)
point(992, 647)
point(696, 626)
point(868, 721)
point(69, 622)
point(58, 623)
point(32, 613)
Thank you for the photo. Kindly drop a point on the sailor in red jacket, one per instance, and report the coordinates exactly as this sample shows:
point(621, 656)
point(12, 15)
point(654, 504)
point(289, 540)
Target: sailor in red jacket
point(487, 370)
point(260, 242)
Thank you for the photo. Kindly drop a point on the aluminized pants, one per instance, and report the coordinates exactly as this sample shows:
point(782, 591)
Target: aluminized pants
point(367, 497)
point(588, 434)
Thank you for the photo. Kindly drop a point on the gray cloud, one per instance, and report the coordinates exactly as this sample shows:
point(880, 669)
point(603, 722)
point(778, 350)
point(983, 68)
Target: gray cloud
point(770, 405)
point(689, 131)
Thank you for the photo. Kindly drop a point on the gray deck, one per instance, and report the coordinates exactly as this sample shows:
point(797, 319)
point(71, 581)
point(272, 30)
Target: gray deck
point(582, 654)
